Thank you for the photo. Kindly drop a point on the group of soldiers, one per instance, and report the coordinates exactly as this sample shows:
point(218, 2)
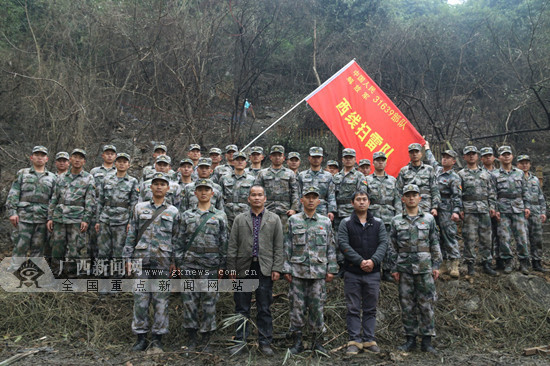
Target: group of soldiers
point(183, 218)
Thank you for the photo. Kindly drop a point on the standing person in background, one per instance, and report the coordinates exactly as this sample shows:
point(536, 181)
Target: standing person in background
point(174, 195)
point(293, 161)
point(61, 163)
point(185, 172)
point(189, 198)
point(364, 166)
point(488, 164)
point(333, 167)
point(226, 168)
point(256, 158)
point(149, 170)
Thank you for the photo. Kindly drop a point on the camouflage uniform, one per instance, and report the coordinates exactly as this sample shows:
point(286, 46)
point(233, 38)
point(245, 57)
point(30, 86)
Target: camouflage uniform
point(416, 243)
point(235, 189)
point(422, 176)
point(223, 169)
point(190, 201)
point(99, 173)
point(495, 242)
point(173, 196)
point(310, 253)
point(450, 189)
point(149, 170)
point(252, 171)
point(345, 184)
point(116, 201)
point(323, 181)
point(156, 250)
point(537, 205)
point(205, 256)
point(28, 198)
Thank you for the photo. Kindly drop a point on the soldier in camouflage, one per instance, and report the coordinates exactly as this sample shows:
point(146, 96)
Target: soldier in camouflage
point(226, 168)
point(537, 217)
point(72, 208)
point(149, 170)
point(174, 194)
point(27, 206)
point(479, 203)
point(201, 254)
point(385, 203)
point(189, 197)
point(61, 163)
point(194, 153)
point(309, 262)
point(417, 259)
point(487, 160)
point(256, 158)
point(235, 188)
point(317, 177)
point(118, 194)
point(450, 189)
point(513, 210)
point(215, 155)
point(152, 239)
point(364, 166)
point(423, 176)
point(293, 162)
point(333, 167)
point(185, 172)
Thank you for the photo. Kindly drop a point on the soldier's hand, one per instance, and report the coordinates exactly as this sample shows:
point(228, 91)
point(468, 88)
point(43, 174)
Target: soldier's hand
point(288, 277)
point(426, 145)
point(329, 277)
point(395, 276)
point(49, 225)
point(97, 228)
point(83, 227)
point(435, 273)
point(275, 276)
point(455, 217)
point(497, 215)
point(14, 220)
point(492, 213)
point(462, 215)
point(543, 218)
point(330, 215)
point(127, 228)
point(433, 211)
point(527, 213)
point(290, 212)
point(172, 270)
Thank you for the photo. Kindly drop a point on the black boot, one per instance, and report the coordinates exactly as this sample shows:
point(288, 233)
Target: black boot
point(317, 344)
point(141, 343)
point(426, 345)
point(191, 339)
point(409, 345)
point(508, 266)
point(206, 340)
point(298, 345)
point(537, 266)
point(488, 270)
point(386, 275)
point(471, 269)
point(524, 266)
point(156, 342)
point(499, 264)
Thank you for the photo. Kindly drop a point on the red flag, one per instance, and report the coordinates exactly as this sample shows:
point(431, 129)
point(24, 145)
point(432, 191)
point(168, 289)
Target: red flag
point(363, 118)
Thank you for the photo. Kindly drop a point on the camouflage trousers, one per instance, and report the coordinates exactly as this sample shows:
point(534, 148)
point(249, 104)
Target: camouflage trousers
point(516, 225)
point(30, 240)
point(447, 235)
point(193, 302)
point(417, 296)
point(110, 241)
point(477, 232)
point(68, 241)
point(495, 240)
point(159, 301)
point(92, 237)
point(387, 264)
point(307, 295)
point(534, 224)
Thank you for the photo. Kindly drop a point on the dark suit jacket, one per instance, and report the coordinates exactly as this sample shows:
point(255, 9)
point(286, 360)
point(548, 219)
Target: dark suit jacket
point(270, 253)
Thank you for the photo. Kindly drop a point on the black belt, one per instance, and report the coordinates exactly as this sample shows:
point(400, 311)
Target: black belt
point(343, 202)
point(375, 202)
point(203, 250)
point(414, 250)
point(72, 203)
point(34, 200)
point(474, 198)
point(117, 204)
point(509, 195)
point(445, 195)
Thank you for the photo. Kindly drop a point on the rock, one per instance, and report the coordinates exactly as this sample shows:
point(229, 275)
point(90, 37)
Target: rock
point(534, 287)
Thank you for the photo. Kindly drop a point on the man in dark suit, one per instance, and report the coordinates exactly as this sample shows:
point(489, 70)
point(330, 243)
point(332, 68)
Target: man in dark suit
point(255, 251)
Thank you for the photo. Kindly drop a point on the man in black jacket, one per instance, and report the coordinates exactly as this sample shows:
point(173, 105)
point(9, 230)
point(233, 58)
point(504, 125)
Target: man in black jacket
point(363, 241)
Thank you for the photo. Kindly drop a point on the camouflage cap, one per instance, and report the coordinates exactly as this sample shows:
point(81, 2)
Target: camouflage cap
point(415, 146)
point(277, 149)
point(240, 154)
point(469, 149)
point(194, 147)
point(79, 151)
point(504, 149)
point(379, 154)
point(411, 188)
point(204, 183)
point(348, 152)
point(186, 161)
point(451, 153)
point(364, 162)
point(215, 150)
point(205, 161)
point(160, 147)
point(109, 147)
point(160, 176)
point(164, 159)
point(524, 157)
point(310, 189)
point(256, 150)
point(62, 155)
point(122, 155)
point(293, 154)
point(40, 148)
point(315, 151)
point(486, 151)
point(333, 162)
point(229, 148)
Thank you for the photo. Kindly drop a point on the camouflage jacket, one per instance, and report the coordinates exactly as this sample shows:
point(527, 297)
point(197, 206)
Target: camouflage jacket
point(416, 243)
point(424, 177)
point(385, 201)
point(309, 247)
point(478, 192)
point(74, 199)
point(100, 173)
point(220, 171)
point(511, 190)
point(252, 171)
point(281, 189)
point(345, 184)
point(449, 185)
point(156, 247)
point(190, 201)
point(535, 197)
point(235, 191)
point(116, 200)
point(323, 181)
point(149, 170)
point(209, 248)
point(30, 195)
point(173, 196)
